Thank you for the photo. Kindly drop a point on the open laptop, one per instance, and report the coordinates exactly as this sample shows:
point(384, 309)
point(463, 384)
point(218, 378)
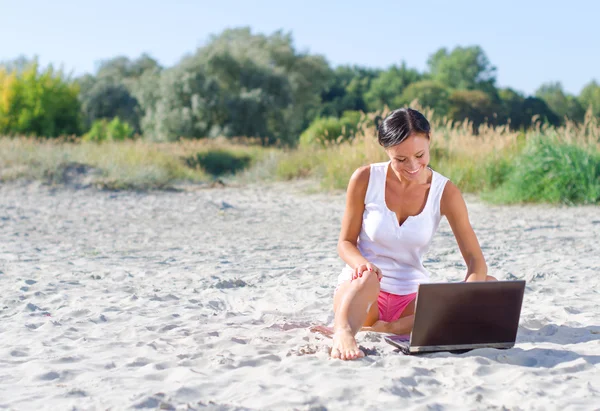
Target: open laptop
point(459, 317)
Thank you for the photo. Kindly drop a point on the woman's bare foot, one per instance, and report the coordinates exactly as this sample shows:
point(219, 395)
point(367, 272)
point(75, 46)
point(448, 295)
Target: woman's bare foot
point(344, 346)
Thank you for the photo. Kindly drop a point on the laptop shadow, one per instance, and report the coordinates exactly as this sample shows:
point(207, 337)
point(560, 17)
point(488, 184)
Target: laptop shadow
point(539, 357)
point(534, 357)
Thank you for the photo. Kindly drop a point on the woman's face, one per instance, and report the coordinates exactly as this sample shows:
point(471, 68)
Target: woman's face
point(410, 158)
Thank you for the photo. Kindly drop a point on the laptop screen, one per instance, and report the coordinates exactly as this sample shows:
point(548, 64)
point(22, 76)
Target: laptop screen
point(467, 313)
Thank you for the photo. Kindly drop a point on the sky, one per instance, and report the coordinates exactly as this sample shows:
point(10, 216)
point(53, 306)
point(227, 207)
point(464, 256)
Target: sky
point(530, 42)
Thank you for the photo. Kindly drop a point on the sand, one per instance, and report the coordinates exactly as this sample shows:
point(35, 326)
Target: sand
point(203, 299)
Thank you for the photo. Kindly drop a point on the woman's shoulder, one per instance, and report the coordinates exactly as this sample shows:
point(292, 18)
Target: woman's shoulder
point(363, 173)
point(381, 164)
point(450, 194)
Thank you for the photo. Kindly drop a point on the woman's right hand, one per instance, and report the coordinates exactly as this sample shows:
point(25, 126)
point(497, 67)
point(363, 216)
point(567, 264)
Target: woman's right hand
point(361, 268)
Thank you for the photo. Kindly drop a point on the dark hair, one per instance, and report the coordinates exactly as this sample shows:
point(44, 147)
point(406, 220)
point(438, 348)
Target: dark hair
point(399, 125)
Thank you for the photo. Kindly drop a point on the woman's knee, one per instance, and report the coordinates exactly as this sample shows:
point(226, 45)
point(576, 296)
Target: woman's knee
point(487, 278)
point(367, 282)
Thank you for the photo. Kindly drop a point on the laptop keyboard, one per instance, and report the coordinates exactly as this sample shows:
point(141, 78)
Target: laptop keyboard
point(399, 338)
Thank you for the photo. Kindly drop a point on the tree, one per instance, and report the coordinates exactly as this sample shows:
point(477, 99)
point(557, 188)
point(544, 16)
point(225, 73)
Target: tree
point(575, 110)
point(306, 74)
point(536, 108)
point(590, 97)
point(107, 98)
point(563, 105)
point(429, 93)
point(345, 91)
point(511, 109)
point(386, 89)
point(474, 105)
point(238, 84)
point(464, 68)
point(123, 68)
point(40, 103)
point(179, 102)
point(110, 93)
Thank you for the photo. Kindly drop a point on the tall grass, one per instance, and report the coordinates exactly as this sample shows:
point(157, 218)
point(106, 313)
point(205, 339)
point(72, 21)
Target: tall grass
point(455, 152)
point(134, 164)
point(553, 168)
point(544, 164)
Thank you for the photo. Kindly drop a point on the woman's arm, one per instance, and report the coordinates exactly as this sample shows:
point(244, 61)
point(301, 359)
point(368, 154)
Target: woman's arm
point(352, 219)
point(453, 206)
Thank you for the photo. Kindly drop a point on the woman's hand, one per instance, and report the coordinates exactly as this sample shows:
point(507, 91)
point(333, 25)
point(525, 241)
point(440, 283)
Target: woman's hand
point(361, 268)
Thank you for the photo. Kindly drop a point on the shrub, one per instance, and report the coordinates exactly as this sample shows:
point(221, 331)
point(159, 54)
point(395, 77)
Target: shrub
point(103, 130)
point(38, 103)
point(218, 162)
point(327, 130)
point(553, 170)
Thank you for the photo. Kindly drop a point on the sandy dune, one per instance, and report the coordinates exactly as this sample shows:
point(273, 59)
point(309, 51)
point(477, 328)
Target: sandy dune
point(202, 299)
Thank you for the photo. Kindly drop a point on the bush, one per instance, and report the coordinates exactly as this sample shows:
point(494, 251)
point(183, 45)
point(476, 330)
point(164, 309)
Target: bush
point(218, 162)
point(497, 171)
point(554, 171)
point(323, 131)
point(38, 103)
point(103, 130)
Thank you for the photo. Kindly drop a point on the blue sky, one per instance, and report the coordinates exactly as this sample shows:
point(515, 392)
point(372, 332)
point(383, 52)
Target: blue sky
point(529, 41)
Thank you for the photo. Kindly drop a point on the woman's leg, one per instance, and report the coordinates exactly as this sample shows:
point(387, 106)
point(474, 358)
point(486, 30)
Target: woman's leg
point(354, 305)
point(403, 325)
point(488, 278)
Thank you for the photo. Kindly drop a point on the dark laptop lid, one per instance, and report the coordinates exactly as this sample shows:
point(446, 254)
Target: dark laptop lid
point(449, 314)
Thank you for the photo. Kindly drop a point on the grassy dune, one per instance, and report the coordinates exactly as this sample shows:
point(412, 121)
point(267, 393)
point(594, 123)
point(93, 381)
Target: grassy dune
point(553, 165)
point(133, 164)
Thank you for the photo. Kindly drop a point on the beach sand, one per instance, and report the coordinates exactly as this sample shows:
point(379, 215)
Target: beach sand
point(203, 299)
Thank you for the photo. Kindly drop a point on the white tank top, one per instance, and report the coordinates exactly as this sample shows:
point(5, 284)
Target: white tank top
point(398, 249)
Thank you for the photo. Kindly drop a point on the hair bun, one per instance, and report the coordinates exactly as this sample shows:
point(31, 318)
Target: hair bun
point(378, 120)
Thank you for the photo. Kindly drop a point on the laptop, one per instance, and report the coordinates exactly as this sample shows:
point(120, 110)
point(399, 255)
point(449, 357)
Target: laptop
point(459, 317)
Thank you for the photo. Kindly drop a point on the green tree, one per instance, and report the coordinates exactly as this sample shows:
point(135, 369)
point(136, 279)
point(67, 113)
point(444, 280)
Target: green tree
point(474, 105)
point(387, 88)
point(511, 109)
point(38, 102)
point(429, 93)
point(536, 108)
point(123, 68)
point(575, 110)
point(110, 93)
point(590, 97)
point(345, 90)
point(463, 68)
point(563, 105)
point(238, 84)
point(106, 98)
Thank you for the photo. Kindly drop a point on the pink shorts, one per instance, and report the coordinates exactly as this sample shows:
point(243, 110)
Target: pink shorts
point(391, 306)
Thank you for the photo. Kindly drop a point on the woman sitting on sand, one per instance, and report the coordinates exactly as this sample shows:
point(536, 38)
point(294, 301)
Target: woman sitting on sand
point(392, 211)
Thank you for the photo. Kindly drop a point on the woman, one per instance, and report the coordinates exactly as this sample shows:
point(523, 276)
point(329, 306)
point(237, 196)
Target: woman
point(392, 211)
